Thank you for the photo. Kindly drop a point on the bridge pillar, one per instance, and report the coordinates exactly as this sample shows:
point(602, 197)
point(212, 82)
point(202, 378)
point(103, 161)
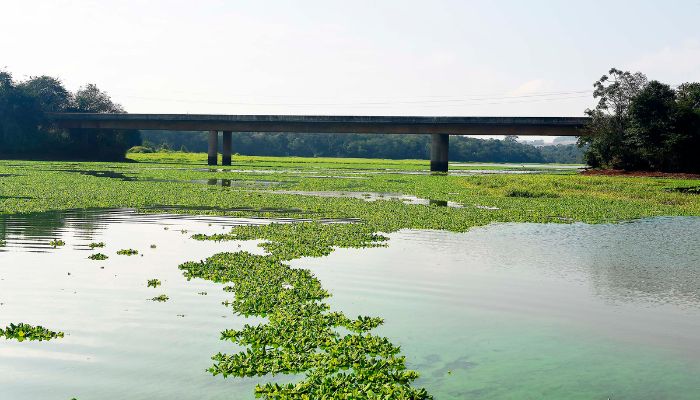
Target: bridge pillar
point(226, 151)
point(213, 154)
point(439, 149)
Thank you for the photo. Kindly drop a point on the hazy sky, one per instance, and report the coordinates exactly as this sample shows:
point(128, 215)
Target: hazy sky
point(350, 57)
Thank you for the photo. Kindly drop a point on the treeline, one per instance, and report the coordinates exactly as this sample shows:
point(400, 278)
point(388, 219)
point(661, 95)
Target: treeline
point(366, 146)
point(27, 131)
point(644, 125)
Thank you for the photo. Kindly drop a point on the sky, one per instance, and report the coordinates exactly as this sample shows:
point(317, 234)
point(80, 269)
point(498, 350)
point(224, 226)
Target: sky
point(407, 57)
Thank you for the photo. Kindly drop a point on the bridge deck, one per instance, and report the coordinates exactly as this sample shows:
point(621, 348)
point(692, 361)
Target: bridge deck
point(439, 127)
point(544, 126)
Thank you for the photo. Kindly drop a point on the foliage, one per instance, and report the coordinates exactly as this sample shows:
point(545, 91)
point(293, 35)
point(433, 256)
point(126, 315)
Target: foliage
point(127, 252)
point(22, 332)
point(161, 298)
point(154, 283)
point(140, 149)
point(95, 245)
point(302, 333)
point(643, 125)
point(26, 129)
point(57, 243)
point(98, 256)
point(366, 146)
point(310, 239)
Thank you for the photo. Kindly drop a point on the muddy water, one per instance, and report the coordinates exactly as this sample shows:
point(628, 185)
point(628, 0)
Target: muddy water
point(508, 311)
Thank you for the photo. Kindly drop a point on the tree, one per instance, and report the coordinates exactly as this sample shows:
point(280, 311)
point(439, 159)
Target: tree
point(606, 141)
point(642, 125)
point(26, 129)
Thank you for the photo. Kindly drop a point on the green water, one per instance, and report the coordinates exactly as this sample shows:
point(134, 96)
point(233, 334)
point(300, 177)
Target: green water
point(508, 311)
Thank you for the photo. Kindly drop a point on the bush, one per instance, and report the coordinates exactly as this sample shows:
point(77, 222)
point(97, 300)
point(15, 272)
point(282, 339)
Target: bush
point(140, 149)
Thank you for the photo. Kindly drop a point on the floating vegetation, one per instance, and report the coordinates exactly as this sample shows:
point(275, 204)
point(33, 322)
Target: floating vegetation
point(154, 283)
point(340, 357)
point(57, 243)
point(127, 252)
point(302, 333)
point(22, 332)
point(153, 246)
point(162, 298)
point(531, 194)
point(98, 256)
point(306, 239)
point(202, 293)
point(96, 245)
point(686, 190)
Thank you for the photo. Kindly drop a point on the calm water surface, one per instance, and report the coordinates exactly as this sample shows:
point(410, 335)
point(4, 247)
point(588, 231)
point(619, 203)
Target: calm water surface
point(508, 311)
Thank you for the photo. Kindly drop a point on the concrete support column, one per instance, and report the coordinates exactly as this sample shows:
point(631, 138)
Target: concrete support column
point(213, 157)
point(226, 151)
point(439, 150)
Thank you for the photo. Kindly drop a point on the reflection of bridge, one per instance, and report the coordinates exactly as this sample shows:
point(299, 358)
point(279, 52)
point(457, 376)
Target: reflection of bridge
point(439, 127)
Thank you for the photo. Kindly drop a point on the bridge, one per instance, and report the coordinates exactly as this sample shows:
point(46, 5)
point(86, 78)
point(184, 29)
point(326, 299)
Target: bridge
point(438, 127)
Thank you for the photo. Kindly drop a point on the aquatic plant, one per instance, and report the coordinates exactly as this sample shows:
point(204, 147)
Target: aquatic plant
point(332, 363)
point(154, 283)
point(95, 245)
point(153, 246)
point(98, 256)
point(22, 332)
point(302, 334)
point(57, 243)
point(306, 239)
point(127, 252)
point(161, 298)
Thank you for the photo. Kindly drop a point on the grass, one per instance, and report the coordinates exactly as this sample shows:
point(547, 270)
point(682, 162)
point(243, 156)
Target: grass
point(300, 333)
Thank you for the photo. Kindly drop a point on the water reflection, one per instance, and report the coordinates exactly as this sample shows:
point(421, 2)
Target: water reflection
point(33, 232)
point(503, 311)
point(237, 182)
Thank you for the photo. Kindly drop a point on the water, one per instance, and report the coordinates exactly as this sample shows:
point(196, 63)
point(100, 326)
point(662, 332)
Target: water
point(374, 196)
point(508, 311)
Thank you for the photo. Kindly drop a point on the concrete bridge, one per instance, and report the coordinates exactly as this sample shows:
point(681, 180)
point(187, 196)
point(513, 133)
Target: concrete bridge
point(438, 127)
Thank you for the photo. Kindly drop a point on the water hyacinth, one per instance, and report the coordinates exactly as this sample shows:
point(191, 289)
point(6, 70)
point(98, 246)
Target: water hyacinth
point(127, 252)
point(22, 332)
point(154, 283)
point(98, 256)
point(301, 335)
point(161, 298)
point(57, 243)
